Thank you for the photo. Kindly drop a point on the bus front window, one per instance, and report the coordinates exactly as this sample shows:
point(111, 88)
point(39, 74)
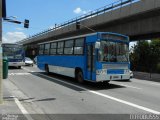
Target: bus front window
point(113, 52)
point(13, 52)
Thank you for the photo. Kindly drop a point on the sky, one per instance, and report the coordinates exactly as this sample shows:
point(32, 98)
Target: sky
point(44, 14)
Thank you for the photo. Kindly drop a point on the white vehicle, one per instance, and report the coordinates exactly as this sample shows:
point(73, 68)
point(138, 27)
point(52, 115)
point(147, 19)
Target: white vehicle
point(131, 74)
point(28, 61)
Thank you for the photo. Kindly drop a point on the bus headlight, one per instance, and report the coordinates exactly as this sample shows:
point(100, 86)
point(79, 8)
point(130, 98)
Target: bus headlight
point(126, 71)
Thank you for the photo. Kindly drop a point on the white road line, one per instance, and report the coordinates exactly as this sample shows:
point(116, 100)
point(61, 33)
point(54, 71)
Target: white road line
point(109, 97)
point(19, 74)
point(23, 110)
point(130, 86)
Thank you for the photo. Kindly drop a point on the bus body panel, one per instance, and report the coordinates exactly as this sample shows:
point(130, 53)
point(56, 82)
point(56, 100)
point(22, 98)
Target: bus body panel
point(91, 39)
point(62, 64)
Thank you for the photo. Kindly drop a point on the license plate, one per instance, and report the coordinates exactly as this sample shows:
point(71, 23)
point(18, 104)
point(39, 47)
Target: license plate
point(115, 76)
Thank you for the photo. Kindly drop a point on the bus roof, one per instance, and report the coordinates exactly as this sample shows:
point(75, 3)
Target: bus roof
point(3, 44)
point(11, 44)
point(95, 33)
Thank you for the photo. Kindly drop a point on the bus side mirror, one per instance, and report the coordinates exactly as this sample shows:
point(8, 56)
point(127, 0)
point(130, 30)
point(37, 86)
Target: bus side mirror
point(97, 45)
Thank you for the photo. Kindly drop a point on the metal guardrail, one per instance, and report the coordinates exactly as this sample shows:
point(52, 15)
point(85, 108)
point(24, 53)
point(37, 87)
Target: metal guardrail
point(102, 10)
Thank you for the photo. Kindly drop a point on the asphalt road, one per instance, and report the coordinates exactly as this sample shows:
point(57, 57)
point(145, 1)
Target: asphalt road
point(54, 94)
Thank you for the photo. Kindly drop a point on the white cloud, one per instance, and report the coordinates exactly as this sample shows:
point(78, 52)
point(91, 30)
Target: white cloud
point(51, 27)
point(12, 37)
point(78, 10)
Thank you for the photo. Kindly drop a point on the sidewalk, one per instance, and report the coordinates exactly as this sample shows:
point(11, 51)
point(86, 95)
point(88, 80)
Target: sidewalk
point(9, 109)
point(147, 76)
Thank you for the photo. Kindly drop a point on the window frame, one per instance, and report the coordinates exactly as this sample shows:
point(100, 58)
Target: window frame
point(82, 46)
point(48, 53)
point(60, 48)
point(41, 49)
point(72, 47)
point(55, 48)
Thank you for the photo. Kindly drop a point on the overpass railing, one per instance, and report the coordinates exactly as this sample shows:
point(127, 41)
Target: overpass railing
point(102, 10)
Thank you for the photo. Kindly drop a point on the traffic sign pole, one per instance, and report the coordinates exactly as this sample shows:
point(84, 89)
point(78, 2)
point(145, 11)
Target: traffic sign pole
point(1, 72)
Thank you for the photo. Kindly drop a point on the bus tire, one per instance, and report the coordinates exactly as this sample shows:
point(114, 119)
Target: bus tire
point(47, 69)
point(79, 76)
point(19, 67)
point(106, 82)
point(128, 80)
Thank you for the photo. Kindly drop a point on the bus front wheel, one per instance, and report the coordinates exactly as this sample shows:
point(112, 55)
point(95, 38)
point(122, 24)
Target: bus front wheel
point(79, 76)
point(19, 67)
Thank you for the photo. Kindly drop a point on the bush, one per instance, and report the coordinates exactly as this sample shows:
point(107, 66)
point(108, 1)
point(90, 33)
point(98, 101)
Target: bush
point(158, 67)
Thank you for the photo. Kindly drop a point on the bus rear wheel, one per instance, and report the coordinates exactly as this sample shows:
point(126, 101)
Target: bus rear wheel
point(47, 69)
point(79, 76)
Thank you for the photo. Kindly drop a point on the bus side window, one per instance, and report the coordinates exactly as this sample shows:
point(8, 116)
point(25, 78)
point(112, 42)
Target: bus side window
point(53, 49)
point(79, 46)
point(46, 49)
point(41, 49)
point(60, 48)
point(68, 48)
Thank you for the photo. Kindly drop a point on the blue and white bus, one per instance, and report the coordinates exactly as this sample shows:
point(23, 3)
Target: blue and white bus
point(100, 56)
point(15, 54)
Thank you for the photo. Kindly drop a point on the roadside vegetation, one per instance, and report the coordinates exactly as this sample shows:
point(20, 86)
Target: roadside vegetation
point(145, 56)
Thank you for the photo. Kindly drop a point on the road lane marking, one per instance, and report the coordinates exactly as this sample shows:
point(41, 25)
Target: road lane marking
point(23, 110)
point(130, 86)
point(18, 73)
point(107, 96)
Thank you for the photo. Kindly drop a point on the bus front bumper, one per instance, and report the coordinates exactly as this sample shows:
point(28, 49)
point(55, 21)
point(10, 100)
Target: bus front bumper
point(112, 77)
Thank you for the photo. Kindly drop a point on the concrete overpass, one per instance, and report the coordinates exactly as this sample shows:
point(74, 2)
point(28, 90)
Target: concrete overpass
point(139, 19)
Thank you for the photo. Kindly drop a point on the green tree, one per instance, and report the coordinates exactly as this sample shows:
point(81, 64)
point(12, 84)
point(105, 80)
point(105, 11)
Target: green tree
point(145, 56)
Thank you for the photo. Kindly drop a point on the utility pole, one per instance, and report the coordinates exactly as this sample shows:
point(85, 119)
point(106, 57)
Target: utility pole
point(1, 72)
point(5, 18)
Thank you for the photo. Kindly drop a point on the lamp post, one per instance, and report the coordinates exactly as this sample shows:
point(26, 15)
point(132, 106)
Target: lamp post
point(1, 93)
point(3, 15)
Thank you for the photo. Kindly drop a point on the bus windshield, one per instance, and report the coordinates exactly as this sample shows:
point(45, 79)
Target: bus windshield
point(13, 51)
point(113, 52)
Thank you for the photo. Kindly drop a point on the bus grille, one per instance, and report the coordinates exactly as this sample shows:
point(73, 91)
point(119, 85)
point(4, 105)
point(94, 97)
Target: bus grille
point(115, 66)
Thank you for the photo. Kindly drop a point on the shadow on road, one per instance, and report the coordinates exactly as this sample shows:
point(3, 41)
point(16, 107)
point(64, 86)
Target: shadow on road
point(73, 84)
point(39, 100)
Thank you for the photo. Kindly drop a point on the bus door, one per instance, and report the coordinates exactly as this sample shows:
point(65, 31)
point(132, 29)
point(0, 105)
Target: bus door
point(90, 61)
